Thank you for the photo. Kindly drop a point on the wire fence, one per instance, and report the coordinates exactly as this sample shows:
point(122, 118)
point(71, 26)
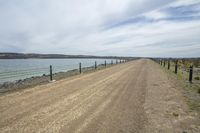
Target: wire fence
point(187, 72)
point(81, 67)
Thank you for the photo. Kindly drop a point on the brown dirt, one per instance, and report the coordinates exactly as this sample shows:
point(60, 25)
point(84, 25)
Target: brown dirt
point(133, 97)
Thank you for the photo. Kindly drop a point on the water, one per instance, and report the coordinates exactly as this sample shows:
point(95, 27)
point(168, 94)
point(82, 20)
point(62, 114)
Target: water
point(15, 69)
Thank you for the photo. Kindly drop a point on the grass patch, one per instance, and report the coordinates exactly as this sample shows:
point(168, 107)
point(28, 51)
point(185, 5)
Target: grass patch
point(191, 91)
point(180, 75)
point(193, 96)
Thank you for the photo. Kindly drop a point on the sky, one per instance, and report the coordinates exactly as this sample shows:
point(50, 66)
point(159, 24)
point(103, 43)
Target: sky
point(144, 28)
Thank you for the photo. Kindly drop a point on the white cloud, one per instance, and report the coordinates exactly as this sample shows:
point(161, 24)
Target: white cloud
point(183, 2)
point(78, 27)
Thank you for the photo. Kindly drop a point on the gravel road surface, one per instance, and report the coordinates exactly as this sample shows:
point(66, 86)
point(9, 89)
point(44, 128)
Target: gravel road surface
point(135, 97)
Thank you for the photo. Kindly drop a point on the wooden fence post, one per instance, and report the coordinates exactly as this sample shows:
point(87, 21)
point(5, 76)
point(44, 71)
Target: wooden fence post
point(164, 63)
point(161, 62)
point(51, 77)
point(80, 68)
point(95, 65)
point(116, 62)
point(105, 63)
point(111, 62)
point(168, 64)
point(176, 67)
point(190, 74)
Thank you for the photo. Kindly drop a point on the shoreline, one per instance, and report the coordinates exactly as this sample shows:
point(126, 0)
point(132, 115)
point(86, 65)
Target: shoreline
point(21, 84)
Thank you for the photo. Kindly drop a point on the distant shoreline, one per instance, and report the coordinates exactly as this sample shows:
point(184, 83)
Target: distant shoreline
point(56, 56)
point(9, 55)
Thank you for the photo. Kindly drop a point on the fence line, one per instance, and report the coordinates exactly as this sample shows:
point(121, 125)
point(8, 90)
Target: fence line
point(10, 76)
point(187, 73)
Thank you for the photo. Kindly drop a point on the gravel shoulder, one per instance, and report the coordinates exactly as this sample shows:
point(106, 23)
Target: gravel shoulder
point(133, 97)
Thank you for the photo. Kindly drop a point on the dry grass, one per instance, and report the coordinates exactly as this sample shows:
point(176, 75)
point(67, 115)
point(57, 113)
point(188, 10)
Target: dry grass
point(191, 91)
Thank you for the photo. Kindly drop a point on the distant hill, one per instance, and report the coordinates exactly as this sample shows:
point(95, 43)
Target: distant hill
point(53, 56)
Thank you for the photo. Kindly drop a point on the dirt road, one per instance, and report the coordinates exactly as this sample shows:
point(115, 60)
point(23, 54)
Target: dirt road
point(133, 97)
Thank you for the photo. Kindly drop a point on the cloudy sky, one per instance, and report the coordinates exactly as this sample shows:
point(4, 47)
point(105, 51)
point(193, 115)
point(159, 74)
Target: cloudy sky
point(164, 28)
